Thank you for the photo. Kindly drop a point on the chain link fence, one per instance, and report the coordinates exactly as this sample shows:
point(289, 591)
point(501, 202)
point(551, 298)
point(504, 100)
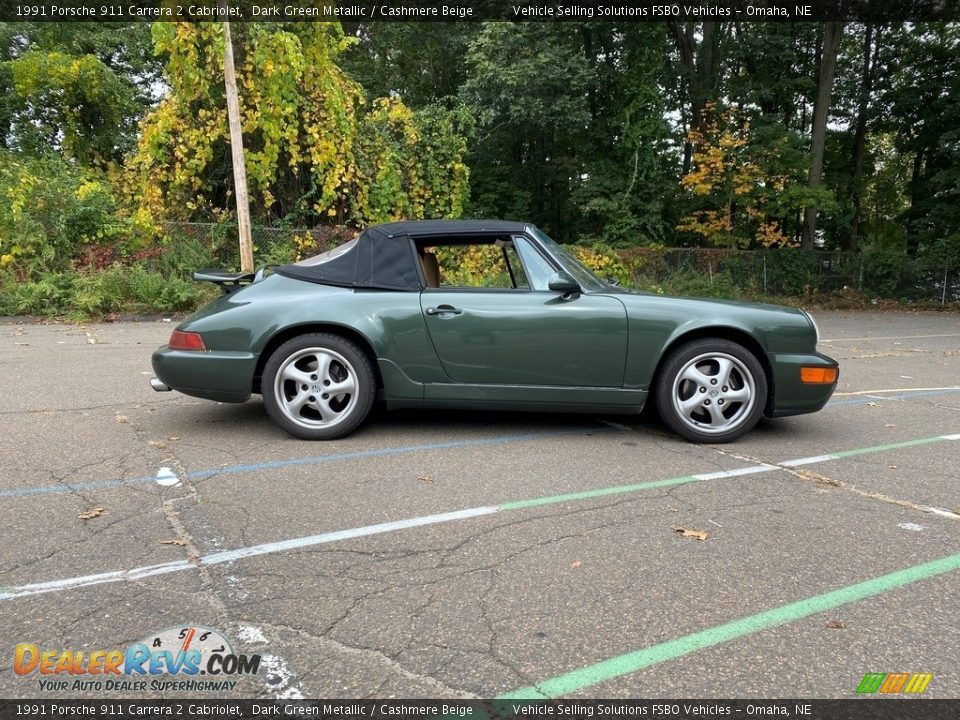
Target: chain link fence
point(785, 272)
point(795, 272)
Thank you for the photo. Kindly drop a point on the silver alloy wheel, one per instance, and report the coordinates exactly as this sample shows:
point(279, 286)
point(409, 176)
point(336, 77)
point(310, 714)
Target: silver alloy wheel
point(316, 388)
point(714, 393)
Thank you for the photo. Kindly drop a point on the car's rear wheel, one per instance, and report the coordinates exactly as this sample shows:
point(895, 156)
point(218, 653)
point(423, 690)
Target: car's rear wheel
point(711, 391)
point(318, 386)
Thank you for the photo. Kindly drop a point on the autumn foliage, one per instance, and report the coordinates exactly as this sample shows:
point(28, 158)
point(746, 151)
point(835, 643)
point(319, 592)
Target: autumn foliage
point(733, 182)
point(316, 150)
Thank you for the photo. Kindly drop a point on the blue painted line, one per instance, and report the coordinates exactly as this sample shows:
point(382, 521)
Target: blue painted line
point(314, 460)
point(901, 396)
point(379, 452)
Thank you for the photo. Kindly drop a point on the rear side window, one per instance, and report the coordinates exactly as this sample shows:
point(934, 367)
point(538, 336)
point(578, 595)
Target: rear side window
point(493, 264)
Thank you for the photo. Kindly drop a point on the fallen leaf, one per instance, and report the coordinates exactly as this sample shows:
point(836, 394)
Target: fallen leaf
point(121, 419)
point(688, 533)
point(178, 542)
point(92, 513)
point(425, 478)
point(173, 438)
point(835, 625)
point(156, 443)
point(575, 564)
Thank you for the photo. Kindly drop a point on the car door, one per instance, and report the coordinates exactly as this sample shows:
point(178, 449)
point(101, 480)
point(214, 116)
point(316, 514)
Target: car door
point(524, 336)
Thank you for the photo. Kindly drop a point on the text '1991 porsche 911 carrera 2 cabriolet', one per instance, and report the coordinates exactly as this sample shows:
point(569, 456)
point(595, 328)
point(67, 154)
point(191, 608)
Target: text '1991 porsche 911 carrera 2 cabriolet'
point(531, 329)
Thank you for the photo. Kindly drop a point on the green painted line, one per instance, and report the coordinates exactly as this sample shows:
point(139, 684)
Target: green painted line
point(599, 492)
point(891, 446)
point(682, 480)
point(672, 649)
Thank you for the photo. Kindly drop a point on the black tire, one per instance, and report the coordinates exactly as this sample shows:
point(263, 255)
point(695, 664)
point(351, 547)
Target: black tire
point(323, 417)
point(741, 401)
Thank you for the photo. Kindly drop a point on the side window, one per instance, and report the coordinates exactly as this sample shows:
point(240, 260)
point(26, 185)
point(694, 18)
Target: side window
point(539, 269)
point(482, 265)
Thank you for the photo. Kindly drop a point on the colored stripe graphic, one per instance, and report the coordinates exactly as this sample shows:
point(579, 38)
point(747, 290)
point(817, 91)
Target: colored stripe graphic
point(871, 683)
point(893, 683)
point(918, 683)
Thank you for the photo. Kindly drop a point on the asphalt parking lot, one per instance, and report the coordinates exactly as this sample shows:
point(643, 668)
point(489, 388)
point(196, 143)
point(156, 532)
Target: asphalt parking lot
point(479, 555)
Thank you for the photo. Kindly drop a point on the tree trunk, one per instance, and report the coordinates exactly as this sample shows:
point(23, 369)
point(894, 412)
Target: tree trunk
point(832, 32)
point(871, 50)
point(916, 178)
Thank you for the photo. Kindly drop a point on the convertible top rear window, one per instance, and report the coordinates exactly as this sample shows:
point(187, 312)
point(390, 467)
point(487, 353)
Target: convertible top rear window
point(373, 260)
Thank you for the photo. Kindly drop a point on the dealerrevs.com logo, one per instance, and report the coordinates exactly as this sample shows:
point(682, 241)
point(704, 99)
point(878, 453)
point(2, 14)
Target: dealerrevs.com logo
point(186, 653)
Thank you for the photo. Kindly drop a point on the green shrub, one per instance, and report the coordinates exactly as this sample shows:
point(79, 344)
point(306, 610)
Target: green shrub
point(883, 268)
point(48, 208)
point(81, 296)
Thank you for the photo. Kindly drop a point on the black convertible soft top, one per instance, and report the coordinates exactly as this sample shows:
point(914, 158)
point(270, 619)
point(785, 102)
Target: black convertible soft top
point(385, 256)
point(373, 260)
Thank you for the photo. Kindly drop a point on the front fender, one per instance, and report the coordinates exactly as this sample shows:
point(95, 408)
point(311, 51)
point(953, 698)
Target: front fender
point(657, 323)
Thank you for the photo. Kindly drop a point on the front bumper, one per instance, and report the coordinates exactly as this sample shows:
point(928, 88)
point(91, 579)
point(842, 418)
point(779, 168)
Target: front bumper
point(790, 396)
point(224, 376)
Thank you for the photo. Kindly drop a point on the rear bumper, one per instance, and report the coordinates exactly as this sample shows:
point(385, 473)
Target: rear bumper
point(789, 395)
point(213, 375)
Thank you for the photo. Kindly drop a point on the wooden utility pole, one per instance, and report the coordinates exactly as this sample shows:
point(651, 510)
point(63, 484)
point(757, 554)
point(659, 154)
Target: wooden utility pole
point(236, 147)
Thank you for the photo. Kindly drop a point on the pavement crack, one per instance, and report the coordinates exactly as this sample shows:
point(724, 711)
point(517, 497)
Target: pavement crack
point(365, 651)
point(821, 479)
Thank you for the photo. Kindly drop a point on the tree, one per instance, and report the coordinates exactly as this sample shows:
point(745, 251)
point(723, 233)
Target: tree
point(314, 152)
point(925, 119)
point(872, 42)
point(832, 33)
point(78, 88)
point(742, 182)
point(700, 47)
point(423, 63)
point(528, 87)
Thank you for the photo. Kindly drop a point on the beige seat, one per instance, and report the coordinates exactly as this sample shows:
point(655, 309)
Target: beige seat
point(431, 269)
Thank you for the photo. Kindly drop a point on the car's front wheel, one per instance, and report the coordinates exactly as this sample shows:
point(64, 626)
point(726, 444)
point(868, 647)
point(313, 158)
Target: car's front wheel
point(318, 386)
point(711, 391)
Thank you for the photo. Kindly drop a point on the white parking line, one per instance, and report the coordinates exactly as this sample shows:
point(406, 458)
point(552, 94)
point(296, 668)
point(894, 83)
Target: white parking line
point(296, 543)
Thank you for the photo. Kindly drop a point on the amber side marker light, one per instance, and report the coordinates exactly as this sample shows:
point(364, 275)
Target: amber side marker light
point(186, 341)
point(818, 375)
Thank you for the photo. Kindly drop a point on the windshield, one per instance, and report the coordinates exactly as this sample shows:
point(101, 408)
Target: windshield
point(581, 273)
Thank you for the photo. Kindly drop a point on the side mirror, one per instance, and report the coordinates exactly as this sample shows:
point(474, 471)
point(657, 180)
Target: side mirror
point(561, 282)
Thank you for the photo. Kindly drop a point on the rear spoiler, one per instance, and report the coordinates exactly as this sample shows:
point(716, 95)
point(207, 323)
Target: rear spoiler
point(228, 282)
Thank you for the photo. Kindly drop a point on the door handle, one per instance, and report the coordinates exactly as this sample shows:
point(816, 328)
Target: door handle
point(444, 310)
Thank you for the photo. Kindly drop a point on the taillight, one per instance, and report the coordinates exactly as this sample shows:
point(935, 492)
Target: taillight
point(186, 341)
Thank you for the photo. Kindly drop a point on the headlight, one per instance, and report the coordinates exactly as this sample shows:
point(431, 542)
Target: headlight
point(816, 328)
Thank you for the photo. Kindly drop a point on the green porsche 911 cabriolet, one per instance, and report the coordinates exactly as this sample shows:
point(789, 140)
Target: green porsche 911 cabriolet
point(529, 328)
